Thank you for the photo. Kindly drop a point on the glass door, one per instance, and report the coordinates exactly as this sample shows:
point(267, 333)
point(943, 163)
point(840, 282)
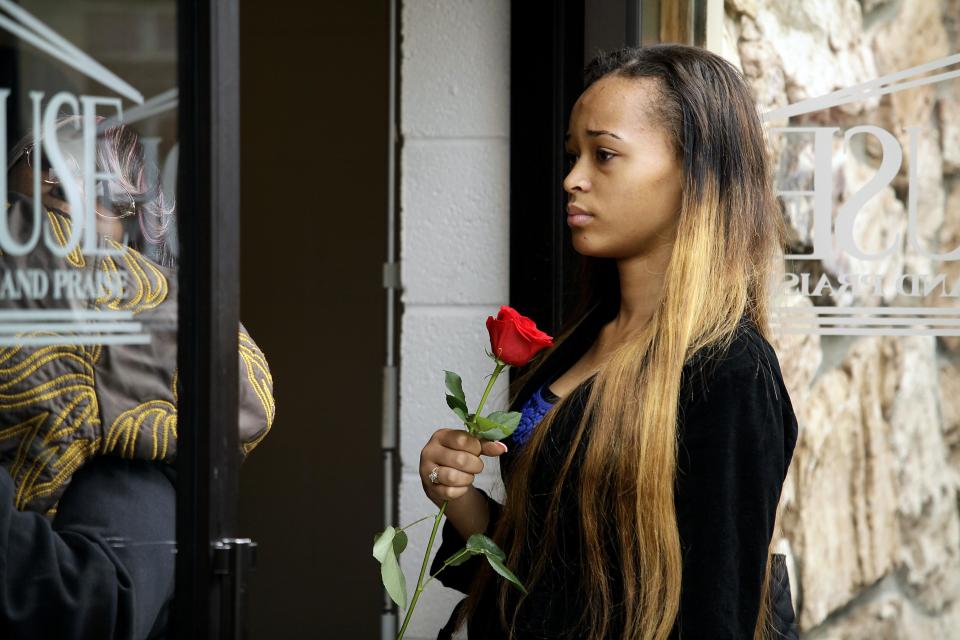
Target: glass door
point(123, 417)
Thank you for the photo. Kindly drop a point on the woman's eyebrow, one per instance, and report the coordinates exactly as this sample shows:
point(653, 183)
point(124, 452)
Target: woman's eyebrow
point(595, 133)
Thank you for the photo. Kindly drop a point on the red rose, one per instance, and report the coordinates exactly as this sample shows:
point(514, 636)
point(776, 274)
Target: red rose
point(515, 338)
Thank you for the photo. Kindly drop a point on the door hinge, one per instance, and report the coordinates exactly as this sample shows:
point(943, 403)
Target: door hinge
point(391, 275)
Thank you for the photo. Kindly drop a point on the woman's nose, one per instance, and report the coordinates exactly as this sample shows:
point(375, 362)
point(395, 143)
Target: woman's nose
point(575, 181)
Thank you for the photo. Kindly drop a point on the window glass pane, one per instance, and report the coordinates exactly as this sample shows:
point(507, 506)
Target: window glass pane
point(860, 103)
point(88, 315)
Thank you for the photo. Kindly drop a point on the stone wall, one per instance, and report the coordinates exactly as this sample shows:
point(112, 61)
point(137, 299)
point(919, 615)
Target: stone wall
point(870, 514)
point(454, 242)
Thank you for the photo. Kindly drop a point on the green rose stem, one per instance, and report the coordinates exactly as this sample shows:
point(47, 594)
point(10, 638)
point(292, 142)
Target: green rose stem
point(436, 522)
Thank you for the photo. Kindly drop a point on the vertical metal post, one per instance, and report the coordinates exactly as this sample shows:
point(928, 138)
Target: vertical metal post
point(633, 23)
point(699, 11)
point(208, 199)
point(649, 22)
point(393, 287)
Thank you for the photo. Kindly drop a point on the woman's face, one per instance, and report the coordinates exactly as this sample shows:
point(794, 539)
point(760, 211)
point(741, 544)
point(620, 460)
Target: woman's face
point(21, 180)
point(623, 170)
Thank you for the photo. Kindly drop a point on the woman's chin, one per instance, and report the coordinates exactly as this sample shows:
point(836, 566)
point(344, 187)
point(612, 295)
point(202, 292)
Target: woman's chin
point(586, 244)
point(581, 242)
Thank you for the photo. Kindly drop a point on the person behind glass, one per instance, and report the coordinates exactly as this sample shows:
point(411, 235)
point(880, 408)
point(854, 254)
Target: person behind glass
point(619, 524)
point(129, 206)
point(87, 513)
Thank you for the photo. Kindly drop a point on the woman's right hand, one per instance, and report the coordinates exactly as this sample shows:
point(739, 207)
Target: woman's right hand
point(456, 456)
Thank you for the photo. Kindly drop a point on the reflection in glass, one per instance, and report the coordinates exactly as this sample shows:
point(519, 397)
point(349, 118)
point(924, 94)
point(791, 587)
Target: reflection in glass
point(88, 324)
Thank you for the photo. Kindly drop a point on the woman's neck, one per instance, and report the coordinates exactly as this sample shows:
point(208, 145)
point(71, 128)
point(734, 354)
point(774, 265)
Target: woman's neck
point(641, 284)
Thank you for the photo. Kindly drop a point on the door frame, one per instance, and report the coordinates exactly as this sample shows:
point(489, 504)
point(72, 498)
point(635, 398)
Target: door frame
point(550, 44)
point(212, 562)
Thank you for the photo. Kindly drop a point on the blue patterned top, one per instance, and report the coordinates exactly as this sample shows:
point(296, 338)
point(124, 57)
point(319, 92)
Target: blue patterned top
point(532, 412)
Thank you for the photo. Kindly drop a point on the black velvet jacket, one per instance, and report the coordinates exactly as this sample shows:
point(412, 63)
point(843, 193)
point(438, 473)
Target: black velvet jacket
point(737, 432)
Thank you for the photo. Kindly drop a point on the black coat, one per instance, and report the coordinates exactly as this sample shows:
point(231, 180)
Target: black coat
point(103, 569)
point(737, 433)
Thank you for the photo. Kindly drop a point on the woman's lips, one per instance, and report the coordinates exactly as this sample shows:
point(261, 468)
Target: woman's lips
point(577, 217)
point(579, 220)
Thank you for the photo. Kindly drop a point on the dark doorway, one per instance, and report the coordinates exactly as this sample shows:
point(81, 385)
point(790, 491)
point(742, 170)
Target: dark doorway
point(314, 155)
point(551, 43)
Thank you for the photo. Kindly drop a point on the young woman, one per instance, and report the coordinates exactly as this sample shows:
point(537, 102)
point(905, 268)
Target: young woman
point(642, 484)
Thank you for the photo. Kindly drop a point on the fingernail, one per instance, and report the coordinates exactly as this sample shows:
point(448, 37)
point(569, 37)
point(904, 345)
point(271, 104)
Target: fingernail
point(505, 449)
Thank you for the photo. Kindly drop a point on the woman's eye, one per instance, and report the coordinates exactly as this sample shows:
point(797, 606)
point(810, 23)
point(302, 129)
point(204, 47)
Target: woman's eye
point(602, 156)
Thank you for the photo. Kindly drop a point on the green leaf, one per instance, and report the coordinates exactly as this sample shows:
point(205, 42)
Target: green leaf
point(455, 386)
point(393, 580)
point(496, 433)
point(501, 568)
point(482, 544)
point(489, 430)
point(386, 546)
point(507, 419)
point(382, 543)
point(486, 423)
point(498, 425)
point(458, 406)
point(400, 542)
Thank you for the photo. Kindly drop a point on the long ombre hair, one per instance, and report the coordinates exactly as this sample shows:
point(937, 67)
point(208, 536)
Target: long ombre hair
point(729, 244)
